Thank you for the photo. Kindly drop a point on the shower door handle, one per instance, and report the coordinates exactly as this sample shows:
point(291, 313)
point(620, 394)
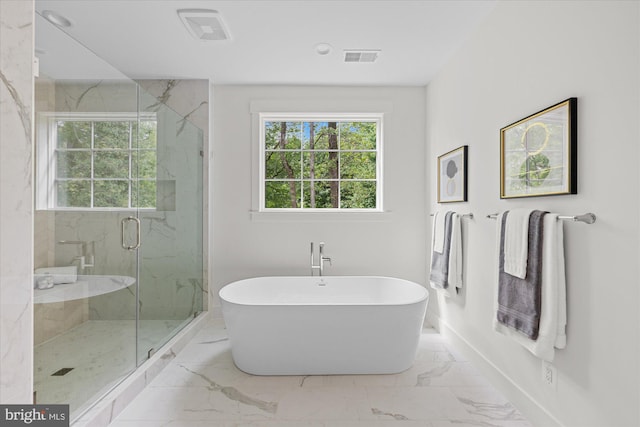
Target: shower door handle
point(122, 223)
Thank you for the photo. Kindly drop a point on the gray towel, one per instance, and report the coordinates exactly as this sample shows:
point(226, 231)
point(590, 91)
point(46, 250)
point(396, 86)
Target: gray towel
point(519, 300)
point(440, 261)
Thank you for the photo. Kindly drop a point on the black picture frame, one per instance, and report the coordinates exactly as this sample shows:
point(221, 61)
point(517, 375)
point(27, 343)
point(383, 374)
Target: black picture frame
point(452, 175)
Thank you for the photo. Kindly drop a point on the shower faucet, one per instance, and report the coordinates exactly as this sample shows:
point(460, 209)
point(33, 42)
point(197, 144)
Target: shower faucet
point(82, 259)
point(321, 259)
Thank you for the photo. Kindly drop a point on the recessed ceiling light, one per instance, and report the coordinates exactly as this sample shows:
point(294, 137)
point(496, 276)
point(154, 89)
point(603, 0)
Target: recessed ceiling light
point(204, 24)
point(55, 18)
point(323, 48)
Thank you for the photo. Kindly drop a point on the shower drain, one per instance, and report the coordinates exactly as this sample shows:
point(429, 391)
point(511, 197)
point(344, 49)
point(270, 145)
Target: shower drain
point(61, 372)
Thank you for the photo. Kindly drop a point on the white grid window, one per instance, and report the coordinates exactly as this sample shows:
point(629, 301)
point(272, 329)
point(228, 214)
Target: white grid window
point(320, 162)
point(98, 161)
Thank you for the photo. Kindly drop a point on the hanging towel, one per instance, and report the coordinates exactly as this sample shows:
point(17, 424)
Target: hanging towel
point(553, 313)
point(516, 237)
point(446, 267)
point(519, 300)
point(438, 232)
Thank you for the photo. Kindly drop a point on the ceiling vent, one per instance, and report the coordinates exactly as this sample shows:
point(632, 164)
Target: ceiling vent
point(370, 55)
point(204, 24)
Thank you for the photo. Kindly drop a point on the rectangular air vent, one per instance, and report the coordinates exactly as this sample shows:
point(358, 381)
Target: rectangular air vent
point(369, 55)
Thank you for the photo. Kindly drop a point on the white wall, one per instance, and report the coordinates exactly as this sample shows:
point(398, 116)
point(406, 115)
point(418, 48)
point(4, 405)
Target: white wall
point(527, 56)
point(16, 207)
point(394, 245)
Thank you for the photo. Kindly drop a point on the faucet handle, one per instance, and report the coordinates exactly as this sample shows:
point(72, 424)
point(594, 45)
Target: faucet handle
point(81, 263)
point(326, 258)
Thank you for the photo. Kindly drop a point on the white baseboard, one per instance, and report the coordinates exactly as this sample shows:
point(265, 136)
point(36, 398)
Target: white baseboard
point(535, 413)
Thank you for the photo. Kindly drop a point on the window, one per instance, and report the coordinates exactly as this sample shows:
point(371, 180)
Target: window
point(320, 162)
point(98, 161)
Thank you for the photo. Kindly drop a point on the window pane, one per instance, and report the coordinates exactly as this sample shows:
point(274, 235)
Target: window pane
point(73, 134)
point(109, 164)
point(143, 195)
point(147, 134)
point(358, 136)
point(111, 194)
point(357, 165)
point(320, 132)
point(73, 164)
point(144, 164)
point(358, 194)
point(111, 135)
point(271, 135)
point(321, 194)
point(282, 164)
point(294, 135)
point(75, 194)
point(328, 136)
point(323, 164)
point(283, 135)
point(282, 194)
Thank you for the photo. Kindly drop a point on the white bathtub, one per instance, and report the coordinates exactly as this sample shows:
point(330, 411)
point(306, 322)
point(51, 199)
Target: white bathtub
point(323, 325)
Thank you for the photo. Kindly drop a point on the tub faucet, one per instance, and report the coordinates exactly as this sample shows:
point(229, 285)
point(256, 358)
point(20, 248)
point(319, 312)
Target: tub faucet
point(321, 260)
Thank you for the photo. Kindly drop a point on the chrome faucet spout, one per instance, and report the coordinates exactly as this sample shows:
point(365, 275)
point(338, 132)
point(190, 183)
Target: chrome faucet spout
point(313, 267)
point(321, 260)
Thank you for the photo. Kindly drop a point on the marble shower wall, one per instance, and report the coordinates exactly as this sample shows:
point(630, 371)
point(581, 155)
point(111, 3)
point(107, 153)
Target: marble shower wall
point(172, 248)
point(16, 208)
point(50, 227)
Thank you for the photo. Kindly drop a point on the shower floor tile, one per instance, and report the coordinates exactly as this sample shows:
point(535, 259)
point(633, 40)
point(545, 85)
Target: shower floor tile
point(99, 353)
point(202, 386)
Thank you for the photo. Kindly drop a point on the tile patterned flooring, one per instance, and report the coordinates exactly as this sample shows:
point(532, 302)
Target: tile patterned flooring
point(202, 387)
point(101, 353)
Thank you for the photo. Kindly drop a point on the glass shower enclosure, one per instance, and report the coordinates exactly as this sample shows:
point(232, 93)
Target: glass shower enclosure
point(118, 223)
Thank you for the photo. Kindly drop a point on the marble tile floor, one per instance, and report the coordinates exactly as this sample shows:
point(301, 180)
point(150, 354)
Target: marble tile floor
point(202, 387)
point(101, 353)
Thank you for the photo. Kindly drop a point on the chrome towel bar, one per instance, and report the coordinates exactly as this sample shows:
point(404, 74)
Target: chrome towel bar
point(588, 218)
point(467, 215)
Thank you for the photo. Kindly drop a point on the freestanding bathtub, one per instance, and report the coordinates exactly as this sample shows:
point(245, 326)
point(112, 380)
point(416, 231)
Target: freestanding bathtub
point(323, 325)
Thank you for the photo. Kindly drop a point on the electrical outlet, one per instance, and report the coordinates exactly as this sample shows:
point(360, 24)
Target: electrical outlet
point(549, 374)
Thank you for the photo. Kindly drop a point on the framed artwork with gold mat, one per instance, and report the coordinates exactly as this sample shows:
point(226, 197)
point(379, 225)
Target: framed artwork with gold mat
point(538, 154)
point(452, 176)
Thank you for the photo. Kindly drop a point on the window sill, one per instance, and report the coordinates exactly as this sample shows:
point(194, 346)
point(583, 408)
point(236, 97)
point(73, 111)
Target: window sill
point(257, 216)
point(85, 210)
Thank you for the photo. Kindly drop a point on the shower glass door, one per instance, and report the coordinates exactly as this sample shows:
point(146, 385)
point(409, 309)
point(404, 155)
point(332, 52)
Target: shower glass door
point(119, 193)
point(85, 326)
point(169, 193)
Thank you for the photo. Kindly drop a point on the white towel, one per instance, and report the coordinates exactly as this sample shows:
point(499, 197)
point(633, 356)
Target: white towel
point(553, 315)
point(438, 232)
point(455, 254)
point(454, 265)
point(68, 274)
point(516, 242)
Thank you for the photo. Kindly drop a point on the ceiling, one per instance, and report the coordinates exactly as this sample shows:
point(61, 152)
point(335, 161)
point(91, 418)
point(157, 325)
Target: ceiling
point(272, 42)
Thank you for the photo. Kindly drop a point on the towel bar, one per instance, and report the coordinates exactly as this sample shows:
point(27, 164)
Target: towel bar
point(588, 218)
point(467, 215)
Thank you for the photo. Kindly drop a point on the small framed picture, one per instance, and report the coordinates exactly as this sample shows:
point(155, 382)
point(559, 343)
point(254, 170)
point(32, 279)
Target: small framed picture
point(538, 154)
point(452, 176)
